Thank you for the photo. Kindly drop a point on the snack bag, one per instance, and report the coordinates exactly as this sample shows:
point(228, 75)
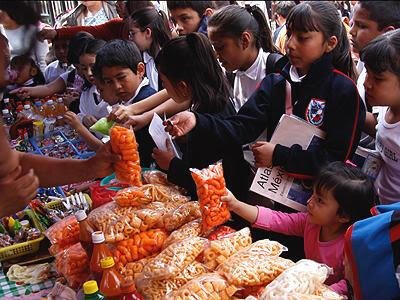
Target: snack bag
point(204, 287)
point(64, 233)
point(190, 229)
point(210, 185)
point(172, 260)
point(132, 269)
point(219, 251)
point(185, 213)
point(102, 126)
point(132, 196)
point(158, 177)
point(220, 232)
point(123, 142)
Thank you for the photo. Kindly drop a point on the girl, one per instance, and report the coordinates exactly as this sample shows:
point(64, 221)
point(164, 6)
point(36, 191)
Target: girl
point(313, 86)
point(28, 72)
point(190, 72)
point(91, 106)
point(242, 40)
point(382, 87)
point(342, 195)
point(148, 28)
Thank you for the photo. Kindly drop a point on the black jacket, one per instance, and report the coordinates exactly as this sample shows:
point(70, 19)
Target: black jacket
point(342, 118)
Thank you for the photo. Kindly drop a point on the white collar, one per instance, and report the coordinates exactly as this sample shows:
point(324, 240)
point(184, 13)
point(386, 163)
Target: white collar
point(28, 82)
point(147, 57)
point(294, 76)
point(144, 82)
point(253, 70)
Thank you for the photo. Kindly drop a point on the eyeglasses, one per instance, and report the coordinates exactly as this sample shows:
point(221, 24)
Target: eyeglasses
point(131, 34)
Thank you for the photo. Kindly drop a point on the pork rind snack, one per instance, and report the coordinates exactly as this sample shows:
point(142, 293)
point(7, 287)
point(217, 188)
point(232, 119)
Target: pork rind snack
point(158, 288)
point(158, 177)
point(204, 287)
point(183, 214)
point(210, 184)
point(218, 251)
point(132, 196)
point(267, 247)
point(190, 229)
point(132, 269)
point(123, 142)
point(172, 260)
point(305, 278)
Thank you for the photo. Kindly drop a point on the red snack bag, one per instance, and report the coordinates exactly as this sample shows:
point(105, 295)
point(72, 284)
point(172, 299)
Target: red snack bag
point(64, 233)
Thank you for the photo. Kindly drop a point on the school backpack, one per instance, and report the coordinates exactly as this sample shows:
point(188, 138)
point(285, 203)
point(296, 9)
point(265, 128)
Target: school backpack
point(372, 248)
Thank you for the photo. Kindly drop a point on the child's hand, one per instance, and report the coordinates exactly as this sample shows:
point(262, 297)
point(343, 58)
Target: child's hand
point(88, 121)
point(263, 152)
point(246, 211)
point(72, 120)
point(230, 199)
point(180, 124)
point(119, 114)
point(138, 122)
point(163, 158)
point(23, 92)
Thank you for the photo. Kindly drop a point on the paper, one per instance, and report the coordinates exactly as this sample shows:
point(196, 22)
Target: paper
point(160, 136)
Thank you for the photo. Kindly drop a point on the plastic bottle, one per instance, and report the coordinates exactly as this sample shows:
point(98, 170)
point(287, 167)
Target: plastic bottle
point(50, 109)
point(8, 105)
point(110, 284)
point(61, 109)
point(27, 112)
point(85, 230)
point(8, 120)
point(39, 110)
point(100, 250)
point(49, 120)
point(91, 291)
point(128, 291)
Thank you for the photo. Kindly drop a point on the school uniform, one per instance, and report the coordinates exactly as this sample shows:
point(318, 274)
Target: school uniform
point(151, 71)
point(55, 69)
point(91, 104)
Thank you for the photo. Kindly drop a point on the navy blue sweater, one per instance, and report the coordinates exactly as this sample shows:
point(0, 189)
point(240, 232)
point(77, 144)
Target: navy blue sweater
point(325, 97)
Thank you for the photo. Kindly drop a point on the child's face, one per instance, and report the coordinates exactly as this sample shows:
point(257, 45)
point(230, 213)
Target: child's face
point(86, 62)
point(142, 39)
point(25, 73)
point(122, 81)
point(186, 20)
point(61, 50)
point(178, 92)
point(322, 208)
point(363, 29)
point(105, 92)
point(382, 89)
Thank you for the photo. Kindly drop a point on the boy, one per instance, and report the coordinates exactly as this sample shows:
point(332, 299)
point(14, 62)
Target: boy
point(60, 65)
point(190, 16)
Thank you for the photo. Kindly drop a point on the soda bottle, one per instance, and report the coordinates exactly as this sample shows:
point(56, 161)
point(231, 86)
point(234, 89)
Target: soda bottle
point(91, 291)
point(128, 291)
point(8, 121)
point(85, 230)
point(111, 279)
point(100, 250)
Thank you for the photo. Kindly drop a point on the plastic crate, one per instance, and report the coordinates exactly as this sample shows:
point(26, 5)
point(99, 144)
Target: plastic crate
point(20, 249)
point(57, 204)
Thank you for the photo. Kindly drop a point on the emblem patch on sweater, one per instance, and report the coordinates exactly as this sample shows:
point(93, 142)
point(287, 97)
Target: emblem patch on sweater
point(315, 112)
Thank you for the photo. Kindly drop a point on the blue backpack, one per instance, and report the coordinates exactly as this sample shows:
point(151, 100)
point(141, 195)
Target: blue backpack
point(372, 247)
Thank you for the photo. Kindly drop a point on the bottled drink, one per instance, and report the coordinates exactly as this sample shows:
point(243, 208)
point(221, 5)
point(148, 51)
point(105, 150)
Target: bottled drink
point(8, 105)
point(27, 112)
point(49, 120)
point(128, 291)
point(18, 111)
point(49, 109)
point(8, 120)
point(85, 230)
point(61, 109)
point(111, 279)
point(39, 110)
point(91, 291)
point(100, 250)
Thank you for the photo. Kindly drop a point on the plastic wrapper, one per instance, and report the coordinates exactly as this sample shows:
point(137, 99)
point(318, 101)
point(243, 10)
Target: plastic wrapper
point(102, 126)
point(73, 264)
point(141, 245)
point(5, 240)
point(190, 229)
point(204, 287)
point(220, 232)
point(183, 214)
point(123, 142)
point(219, 251)
point(63, 233)
point(210, 184)
point(172, 260)
point(306, 277)
point(158, 177)
point(157, 289)
point(132, 196)
point(132, 269)
point(255, 265)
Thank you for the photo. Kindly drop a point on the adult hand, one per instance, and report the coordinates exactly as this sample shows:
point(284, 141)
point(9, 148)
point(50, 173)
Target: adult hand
point(163, 158)
point(16, 191)
point(47, 33)
point(101, 165)
point(263, 152)
point(119, 114)
point(138, 122)
point(180, 124)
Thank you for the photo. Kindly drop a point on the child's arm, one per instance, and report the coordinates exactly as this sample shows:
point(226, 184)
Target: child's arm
point(56, 86)
point(246, 211)
point(370, 124)
point(73, 120)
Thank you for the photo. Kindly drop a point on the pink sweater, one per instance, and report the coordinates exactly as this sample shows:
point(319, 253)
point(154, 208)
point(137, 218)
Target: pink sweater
point(329, 253)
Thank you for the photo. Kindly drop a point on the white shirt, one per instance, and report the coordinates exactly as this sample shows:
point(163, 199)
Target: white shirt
point(88, 105)
point(294, 76)
point(20, 41)
point(151, 70)
point(78, 81)
point(144, 82)
point(387, 184)
point(362, 71)
point(247, 81)
point(54, 70)
point(96, 19)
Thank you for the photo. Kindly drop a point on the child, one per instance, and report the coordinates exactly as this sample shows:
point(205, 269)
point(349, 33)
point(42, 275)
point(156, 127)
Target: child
point(91, 106)
point(317, 48)
point(382, 87)
point(28, 72)
point(190, 73)
point(60, 65)
point(342, 195)
point(190, 16)
point(149, 30)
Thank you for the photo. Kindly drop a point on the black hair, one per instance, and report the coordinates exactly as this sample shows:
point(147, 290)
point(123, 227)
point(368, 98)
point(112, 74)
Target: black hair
point(77, 43)
point(119, 53)
point(93, 46)
point(233, 20)
point(17, 62)
point(220, 4)
point(133, 6)
point(192, 59)
point(351, 188)
point(157, 21)
point(322, 16)
point(284, 7)
point(384, 13)
point(198, 6)
point(383, 53)
point(20, 12)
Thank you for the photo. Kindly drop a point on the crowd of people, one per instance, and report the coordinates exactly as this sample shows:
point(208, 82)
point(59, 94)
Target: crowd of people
point(224, 79)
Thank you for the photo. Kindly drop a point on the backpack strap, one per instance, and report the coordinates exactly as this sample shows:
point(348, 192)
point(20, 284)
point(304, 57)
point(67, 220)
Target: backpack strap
point(275, 63)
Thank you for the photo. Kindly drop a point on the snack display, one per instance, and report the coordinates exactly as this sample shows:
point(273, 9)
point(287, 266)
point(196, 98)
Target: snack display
point(132, 196)
point(218, 251)
point(183, 214)
point(190, 229)
point(204, 287)
point(172, 260)
point(210, 184)
point(220, 232)
point(123, 142)
point(63, 233)
point(132, 269)
point(158, 177)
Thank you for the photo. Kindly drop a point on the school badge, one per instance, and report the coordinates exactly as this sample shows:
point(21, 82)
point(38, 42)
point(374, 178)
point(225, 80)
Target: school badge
point(315, 112)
